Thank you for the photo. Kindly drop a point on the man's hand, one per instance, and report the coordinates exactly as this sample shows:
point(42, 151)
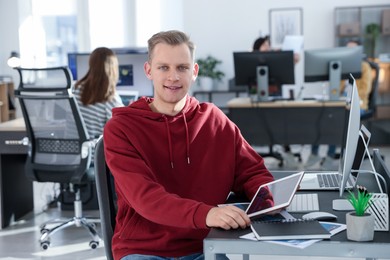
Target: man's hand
point(227, 217)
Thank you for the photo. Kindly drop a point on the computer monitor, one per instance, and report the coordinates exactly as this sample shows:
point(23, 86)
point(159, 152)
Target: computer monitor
point(361, 151)
point(381, 168)
point(352, 136)
point(131, 69)
point(263, 69)
point(333, 65)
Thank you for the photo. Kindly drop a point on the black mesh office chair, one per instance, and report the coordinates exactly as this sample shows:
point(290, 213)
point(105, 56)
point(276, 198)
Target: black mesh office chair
point(59, 146)
point(106, 197)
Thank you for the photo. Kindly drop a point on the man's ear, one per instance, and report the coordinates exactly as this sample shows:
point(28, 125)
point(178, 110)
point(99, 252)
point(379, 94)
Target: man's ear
point(147, 70)
point(195, 72)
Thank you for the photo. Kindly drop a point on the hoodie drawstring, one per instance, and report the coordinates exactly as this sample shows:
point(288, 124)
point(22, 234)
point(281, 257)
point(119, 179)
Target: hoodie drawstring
point(170, 140)
point(187, 138)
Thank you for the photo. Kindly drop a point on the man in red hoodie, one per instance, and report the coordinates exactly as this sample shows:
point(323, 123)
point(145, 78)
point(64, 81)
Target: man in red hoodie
point(174, 160)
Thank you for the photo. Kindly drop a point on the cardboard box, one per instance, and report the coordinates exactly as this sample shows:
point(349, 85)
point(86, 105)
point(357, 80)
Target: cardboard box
point(386, 22)
point(349, 29)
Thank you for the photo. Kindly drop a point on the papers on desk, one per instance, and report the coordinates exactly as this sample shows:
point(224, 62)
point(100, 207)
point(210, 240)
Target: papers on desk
point(332, 227)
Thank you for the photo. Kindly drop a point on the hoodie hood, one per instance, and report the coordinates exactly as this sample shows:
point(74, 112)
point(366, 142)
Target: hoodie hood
point(141, 108)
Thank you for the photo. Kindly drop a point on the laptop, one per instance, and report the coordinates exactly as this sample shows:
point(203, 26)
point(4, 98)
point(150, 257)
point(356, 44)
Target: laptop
point(330, 180)
point(275, 195)
point(351, 158)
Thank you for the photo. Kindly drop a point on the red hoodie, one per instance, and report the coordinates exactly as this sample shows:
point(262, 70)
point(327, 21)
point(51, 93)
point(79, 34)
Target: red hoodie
point(170, 171)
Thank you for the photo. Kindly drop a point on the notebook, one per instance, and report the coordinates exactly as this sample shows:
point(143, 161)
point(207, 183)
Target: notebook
point(330, 180)
point(274, 195)
point(289, 229)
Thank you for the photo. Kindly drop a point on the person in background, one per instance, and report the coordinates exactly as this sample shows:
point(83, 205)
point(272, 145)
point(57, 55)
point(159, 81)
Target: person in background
point(174, 160)
point(364, 86)
point(96, 91)
point(264, 44)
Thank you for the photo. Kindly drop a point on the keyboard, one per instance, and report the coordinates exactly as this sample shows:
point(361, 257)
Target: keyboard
point(304, 202)
point(328, 180)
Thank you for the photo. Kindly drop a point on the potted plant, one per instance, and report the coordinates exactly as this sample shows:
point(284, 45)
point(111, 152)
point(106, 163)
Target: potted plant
point(360, 224)
point(208, 72)
point(373, 31)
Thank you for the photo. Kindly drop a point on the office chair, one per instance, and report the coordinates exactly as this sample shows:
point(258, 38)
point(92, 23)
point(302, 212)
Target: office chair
point(59, 147)
point(106, 197)
point(370, 112)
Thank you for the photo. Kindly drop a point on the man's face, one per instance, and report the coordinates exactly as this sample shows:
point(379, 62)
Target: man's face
point(172, 71)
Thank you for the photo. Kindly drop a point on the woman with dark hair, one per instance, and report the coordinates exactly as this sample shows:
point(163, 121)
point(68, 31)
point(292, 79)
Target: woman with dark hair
point(96, 91)
point(262, 44)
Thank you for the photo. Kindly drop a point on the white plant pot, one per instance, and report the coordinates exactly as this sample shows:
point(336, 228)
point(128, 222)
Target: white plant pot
point(206, 83)
point(360, 228)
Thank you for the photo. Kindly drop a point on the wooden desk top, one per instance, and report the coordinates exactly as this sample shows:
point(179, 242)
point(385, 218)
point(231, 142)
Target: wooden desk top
point(13, 125)
point(245, 102)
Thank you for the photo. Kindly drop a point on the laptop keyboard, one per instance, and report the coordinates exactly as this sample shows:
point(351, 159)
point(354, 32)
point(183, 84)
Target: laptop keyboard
point(305, 202)
point(328, 180)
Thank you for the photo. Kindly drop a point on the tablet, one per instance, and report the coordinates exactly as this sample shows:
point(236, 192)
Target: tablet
point(274, 195)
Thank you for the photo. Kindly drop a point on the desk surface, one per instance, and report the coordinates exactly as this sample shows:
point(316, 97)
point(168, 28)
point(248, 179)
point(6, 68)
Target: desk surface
point(245, 102)
point(13, 125)
point(220, 241)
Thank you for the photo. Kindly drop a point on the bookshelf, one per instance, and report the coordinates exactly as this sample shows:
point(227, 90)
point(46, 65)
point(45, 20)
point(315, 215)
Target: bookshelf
point(354, 22)
point(7, 109)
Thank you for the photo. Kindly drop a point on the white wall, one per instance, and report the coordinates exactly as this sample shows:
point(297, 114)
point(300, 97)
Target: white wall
point(220, 27)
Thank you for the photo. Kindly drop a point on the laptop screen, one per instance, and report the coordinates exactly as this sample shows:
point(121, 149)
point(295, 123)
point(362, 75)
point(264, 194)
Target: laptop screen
point(274, 195)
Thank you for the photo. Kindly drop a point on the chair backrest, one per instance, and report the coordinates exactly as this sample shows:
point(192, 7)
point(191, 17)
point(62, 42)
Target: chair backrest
point(373, 94)
point(106, 197)
point(59, 147)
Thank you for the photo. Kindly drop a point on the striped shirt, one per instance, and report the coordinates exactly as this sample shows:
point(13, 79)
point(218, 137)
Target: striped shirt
point(95, 116)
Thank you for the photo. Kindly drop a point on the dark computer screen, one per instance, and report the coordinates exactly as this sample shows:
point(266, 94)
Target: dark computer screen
point(280, 66)
point(264, 72)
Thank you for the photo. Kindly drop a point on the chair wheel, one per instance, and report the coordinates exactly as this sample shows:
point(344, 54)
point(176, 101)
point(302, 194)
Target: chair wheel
point(45, 245)
point(93, 244)
point(44, 230)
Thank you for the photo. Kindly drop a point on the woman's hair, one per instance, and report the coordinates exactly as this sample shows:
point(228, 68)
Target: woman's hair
point(173, 38)
point(259, 41)
point(99, 84)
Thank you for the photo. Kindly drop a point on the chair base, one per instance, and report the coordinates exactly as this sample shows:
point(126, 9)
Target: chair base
point(87, 223)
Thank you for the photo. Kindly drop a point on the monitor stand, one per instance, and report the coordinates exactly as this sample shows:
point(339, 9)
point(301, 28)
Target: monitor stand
point(262, 83)
point(334, 80)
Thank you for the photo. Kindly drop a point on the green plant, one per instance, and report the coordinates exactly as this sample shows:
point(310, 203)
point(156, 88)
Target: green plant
point(361, 201)
point(373, 31)
point(208, 68)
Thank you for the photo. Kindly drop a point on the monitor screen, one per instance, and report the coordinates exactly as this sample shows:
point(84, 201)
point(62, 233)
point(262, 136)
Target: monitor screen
point(352, 136)
point(317, 62)
point(361, 149)
point(381, 168)
point(131, 70)
point(280, 65)
point(333, 65)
